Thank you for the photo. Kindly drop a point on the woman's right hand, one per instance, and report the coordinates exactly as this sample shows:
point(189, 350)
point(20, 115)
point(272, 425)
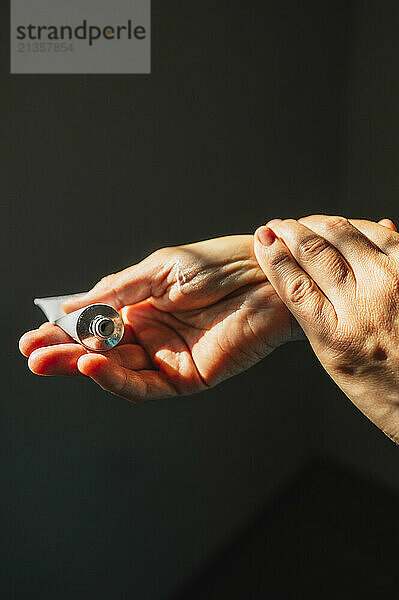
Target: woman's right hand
point(340, 279)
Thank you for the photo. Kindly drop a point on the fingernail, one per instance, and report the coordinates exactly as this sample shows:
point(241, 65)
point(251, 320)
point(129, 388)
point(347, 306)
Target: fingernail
point(265, 236)
point(273, 222)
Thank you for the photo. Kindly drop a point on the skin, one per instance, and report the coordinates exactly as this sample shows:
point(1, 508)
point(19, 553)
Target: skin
point(340, 280)
point(194, 316)
point(198, 314)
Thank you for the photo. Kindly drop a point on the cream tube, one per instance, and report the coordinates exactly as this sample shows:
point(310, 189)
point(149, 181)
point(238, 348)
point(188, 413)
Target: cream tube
point(98, 327)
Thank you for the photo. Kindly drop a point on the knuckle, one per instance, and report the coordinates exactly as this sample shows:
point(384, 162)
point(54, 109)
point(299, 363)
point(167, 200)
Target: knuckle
point(106, 282)
point(342, 274)
point(287, 225)
point(298, 289)
point(316, 248)
point(279, 261)
point(109, 285)
point(312, 246)
point(162, 260)
point(335, 222)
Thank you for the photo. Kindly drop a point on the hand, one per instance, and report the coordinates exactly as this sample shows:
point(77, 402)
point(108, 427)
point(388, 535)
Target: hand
point(340, 280)
point(194, 315)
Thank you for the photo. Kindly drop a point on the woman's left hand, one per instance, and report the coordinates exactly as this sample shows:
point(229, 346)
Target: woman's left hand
point(194, 316)
point(340, 280)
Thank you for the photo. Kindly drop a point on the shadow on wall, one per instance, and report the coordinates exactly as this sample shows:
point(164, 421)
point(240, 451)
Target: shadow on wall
point(330, 535)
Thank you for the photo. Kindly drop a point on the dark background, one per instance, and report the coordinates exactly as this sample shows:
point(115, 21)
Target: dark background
point(270, 485)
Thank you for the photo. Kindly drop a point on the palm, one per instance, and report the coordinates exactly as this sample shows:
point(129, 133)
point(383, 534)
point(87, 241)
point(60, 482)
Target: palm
point(201, 347)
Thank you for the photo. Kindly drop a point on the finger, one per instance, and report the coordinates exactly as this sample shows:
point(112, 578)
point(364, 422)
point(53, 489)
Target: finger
point(62, 359)
point(56, 360)
point(355, 247)
point(134, 386)
point(48, 334)
point(130, 356)
point(296, 288)
point(388, 223)
point(129, 286)
point(317, 257)
point(382, 235)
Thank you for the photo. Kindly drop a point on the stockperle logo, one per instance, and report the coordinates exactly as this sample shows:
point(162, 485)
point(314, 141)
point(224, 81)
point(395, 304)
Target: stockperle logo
point(80, 36)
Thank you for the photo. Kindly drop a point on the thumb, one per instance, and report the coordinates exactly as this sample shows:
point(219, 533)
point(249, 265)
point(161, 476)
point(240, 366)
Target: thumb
point(134, 284)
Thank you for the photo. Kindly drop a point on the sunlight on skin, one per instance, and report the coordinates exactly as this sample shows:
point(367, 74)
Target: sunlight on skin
point(194, 316)
point(184, 333)
point(339, 278)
